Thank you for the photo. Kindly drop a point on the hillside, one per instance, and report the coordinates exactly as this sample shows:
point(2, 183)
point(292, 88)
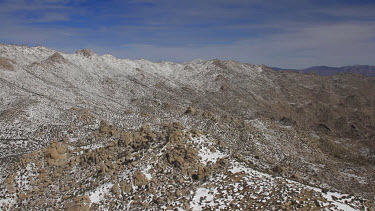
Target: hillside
point(82, 131)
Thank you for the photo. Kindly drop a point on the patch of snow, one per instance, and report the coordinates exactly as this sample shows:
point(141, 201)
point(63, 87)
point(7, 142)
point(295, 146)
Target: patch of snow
point(146, 170)
point(202, 197)
point(98, 194)
point(337, 203)
point(208, 156)
point(205, 153)
point(7, 202)
point(92, 146)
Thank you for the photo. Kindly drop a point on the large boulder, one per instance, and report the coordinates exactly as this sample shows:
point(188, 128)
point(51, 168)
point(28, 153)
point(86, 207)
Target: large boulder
point(116, 190)
point(140, 179)
point(80, 203)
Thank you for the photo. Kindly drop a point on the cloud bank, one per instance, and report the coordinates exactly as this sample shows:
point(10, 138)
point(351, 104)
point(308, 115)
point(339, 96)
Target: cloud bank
point(289, 34)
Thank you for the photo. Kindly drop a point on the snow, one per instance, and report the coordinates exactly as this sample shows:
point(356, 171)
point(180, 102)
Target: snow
point(8, 201)
point(208, 156)
point(205, 152)
point(340, 205)
point(92, 146)
point(240, 168)
point(202, 197)
point(146, 170)
point(98, 194)
point(102, 83)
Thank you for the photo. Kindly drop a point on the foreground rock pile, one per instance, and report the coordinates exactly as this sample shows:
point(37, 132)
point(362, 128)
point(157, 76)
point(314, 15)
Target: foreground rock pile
point(143, 169)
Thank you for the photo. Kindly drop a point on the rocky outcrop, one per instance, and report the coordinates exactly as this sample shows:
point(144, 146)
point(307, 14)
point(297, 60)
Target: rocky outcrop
point(88, 53)
point(56, 154)
point(184, 156)
point(6, 64)
point(56, 58)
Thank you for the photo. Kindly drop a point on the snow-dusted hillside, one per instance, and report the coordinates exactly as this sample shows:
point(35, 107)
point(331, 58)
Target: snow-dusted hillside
point(220, 134)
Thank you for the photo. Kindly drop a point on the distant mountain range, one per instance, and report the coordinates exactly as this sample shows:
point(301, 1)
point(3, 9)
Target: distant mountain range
point(366, 70)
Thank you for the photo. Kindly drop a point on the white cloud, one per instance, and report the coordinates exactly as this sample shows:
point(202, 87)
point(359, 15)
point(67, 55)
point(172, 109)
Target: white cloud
point(333, 44)
point(276, 42)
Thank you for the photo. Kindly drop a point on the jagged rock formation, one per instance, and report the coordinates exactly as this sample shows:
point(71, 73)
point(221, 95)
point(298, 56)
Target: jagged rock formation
point(96, 132)
point(85, 52)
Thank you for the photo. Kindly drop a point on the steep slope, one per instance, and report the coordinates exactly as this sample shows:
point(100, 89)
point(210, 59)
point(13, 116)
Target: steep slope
point(316, 131)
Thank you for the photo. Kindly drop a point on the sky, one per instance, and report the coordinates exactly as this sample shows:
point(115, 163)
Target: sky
point(278, 33)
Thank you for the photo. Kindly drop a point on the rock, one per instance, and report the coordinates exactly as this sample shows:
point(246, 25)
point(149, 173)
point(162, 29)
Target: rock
point(317, 203)
point(176, 137)
point(203, 172)
point(195, 132)
point(139, 140)
point(52, 152)
point(190, 110)
point(147, 133)
point(5, 64)
point(287, 121)
point(200, 172)
point(295, 176)
point(104, 127)
point(61, 148)
point(125, 187)
point(208, 115)
point(222, 162)
point(22, 196)
point(56, 57)
point(103, 168)
point(88, 53)
point(278, 170)
point(80, 203)
point(140, 179)
point(126, 138)
point(56, 154)
point(116, 190)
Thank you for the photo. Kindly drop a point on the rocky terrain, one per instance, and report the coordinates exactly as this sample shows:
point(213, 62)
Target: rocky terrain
point(87, 132)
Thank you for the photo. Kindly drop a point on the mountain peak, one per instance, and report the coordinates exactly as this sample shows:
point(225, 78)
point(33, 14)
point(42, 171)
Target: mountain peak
point(86, 52)
point(56, 57)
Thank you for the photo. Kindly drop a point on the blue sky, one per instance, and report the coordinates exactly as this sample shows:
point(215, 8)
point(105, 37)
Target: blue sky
point(289, 34)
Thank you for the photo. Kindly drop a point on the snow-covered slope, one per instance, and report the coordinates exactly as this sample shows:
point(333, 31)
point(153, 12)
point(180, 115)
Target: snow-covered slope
point(277, 139)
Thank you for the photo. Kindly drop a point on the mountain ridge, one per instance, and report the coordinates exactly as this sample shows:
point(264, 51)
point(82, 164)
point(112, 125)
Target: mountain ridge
point(366, 70)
